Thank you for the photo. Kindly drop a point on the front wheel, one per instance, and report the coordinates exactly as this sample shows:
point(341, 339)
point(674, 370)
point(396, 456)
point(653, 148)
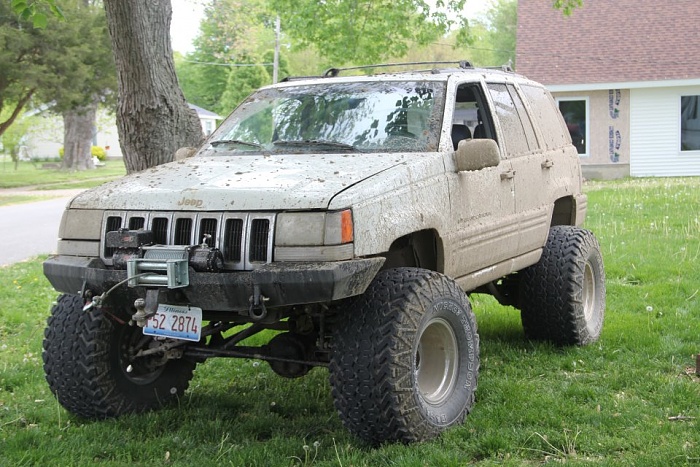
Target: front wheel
point(405, 358)
point(563, 295)
point(91, 365)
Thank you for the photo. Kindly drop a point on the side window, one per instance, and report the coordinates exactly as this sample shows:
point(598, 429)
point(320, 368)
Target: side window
point(471, 117)
point(524, 118)
point(546, 115)
point(690, 123)
point(516, 142)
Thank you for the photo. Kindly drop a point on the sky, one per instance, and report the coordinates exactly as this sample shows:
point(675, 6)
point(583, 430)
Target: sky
point(187, 15)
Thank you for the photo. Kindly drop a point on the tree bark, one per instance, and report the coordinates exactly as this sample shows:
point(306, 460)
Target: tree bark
point(153, 119)
point(78, 127)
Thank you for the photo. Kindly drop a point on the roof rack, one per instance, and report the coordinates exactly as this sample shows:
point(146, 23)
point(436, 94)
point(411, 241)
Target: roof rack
point(505, 68)
point(333, 72)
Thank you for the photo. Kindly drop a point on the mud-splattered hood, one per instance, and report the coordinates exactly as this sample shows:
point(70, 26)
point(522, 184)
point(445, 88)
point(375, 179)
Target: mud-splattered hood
point(264, 182)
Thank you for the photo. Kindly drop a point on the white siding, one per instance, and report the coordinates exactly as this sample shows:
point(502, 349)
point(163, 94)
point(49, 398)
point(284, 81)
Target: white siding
point(655, 133)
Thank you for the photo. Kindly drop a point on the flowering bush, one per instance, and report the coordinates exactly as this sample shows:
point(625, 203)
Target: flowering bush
point(95, 151)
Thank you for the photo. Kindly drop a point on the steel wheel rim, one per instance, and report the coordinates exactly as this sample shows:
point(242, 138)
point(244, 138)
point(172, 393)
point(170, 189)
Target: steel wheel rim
point(589, 292)
point(436, 361)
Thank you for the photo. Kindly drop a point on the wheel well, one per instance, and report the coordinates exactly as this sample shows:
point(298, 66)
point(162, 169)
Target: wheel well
point(418, 249)
point(563, 213)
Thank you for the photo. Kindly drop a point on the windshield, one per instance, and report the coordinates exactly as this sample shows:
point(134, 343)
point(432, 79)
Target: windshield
point(353, 117)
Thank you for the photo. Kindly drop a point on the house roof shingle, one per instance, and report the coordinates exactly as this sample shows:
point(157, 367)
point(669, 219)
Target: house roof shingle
point(609, 41)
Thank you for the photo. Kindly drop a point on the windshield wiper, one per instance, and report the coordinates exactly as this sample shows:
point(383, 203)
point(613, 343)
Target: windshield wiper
point(313, 142)
point(235, 141)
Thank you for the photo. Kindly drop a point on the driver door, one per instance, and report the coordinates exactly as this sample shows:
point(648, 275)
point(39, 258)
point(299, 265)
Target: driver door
point(483, 229)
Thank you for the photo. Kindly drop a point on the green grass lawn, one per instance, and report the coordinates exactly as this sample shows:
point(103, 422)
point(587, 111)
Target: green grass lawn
point(630, 399)
point(30, 174)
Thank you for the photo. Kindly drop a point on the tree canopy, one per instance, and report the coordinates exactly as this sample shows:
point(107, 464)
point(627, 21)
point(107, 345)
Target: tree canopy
point(231, 34)
point(65, 66)
point(367, 31)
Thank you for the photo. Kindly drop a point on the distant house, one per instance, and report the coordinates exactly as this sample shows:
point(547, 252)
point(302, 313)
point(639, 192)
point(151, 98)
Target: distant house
point(209, 119)
point(625, 78)
point(45, 139)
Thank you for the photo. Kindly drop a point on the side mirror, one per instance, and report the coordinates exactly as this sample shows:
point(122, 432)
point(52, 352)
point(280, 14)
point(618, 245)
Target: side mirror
point(183, 153)
point(476, 154)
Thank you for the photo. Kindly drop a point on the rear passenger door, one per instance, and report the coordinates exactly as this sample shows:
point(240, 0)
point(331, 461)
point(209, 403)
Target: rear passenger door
point(530, 165)
point(558, 169)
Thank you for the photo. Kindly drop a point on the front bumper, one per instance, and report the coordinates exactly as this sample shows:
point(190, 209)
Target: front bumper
point(283, 284)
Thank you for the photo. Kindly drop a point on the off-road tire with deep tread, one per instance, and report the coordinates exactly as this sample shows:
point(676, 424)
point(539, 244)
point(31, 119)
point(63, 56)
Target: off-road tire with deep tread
point(407, 316)
point(86, 359)
point(563, 295)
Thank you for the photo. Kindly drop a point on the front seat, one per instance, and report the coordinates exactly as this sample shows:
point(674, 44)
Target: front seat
point(460, 132)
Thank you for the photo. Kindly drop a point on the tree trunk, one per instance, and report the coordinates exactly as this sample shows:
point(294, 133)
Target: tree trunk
point(153, 118)
point(78, 127)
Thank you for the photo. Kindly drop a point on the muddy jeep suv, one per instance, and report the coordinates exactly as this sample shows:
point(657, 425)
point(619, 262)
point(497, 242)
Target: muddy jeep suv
point(346, 218)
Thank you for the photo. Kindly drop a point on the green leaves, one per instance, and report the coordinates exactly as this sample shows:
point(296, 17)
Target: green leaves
point(364, 31)
point(36, 11)
point(567, 6)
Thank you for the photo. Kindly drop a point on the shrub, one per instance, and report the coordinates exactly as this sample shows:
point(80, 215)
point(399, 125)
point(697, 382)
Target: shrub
point(95, 151)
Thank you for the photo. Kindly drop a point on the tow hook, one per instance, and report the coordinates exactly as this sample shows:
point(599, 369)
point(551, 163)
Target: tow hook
point(145, 308)
point(257, 301)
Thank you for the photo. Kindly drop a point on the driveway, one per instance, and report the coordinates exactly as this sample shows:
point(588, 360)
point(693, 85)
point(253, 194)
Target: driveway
point(31, 229)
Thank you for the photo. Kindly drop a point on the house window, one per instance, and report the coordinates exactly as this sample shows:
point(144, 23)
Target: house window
point(208, 127)
point(690, 123)
point(575, 112)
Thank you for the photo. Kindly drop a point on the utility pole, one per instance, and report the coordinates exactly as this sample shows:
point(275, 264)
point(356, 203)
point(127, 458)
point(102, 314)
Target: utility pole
point(276, 61)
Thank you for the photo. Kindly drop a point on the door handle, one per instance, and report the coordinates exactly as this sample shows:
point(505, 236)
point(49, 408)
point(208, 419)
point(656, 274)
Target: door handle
point(547, 164)
point(507, 175)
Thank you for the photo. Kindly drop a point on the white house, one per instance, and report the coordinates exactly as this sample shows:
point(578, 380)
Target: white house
point(623, 73)
point(45, 138)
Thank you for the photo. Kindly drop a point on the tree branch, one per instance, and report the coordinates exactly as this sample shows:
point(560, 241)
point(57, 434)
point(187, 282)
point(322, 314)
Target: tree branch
point(15, 113)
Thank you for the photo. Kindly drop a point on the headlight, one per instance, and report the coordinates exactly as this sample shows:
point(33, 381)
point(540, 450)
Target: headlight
point(81, 224)
point(79, 232)
point(314, 236)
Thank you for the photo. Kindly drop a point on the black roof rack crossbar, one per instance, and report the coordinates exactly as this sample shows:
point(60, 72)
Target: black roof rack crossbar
point(333, 72)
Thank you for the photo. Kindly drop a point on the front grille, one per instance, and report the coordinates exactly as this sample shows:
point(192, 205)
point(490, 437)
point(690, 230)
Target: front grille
point(258, 240)
point(245, 239)
point(159, 226)
point(112, 223)
point(233, 240)
point(208, 232)
point(136, 223)
point(183, 232)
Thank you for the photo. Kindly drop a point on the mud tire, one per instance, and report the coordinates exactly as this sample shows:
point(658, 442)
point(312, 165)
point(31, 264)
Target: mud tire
point(563, 295)
point(405, 358)
point(85, 360)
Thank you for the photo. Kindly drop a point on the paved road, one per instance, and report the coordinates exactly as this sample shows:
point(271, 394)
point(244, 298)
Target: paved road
point(29, 229)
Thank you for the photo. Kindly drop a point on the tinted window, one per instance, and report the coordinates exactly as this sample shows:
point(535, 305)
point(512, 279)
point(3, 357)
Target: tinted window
point(524, 118)
point(546, 115)
point(514, 133)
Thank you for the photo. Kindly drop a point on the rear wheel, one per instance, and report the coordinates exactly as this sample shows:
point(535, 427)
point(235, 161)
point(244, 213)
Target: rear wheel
point(405, 358)
point(91, 365)
point(563, 295)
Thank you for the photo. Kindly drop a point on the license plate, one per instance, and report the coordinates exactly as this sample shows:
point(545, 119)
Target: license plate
point(177, 322)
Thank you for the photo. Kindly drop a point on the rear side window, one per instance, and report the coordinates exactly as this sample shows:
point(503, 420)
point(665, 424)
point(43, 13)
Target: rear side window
point(520, 137)
point(510, 123)
point(546, 115)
